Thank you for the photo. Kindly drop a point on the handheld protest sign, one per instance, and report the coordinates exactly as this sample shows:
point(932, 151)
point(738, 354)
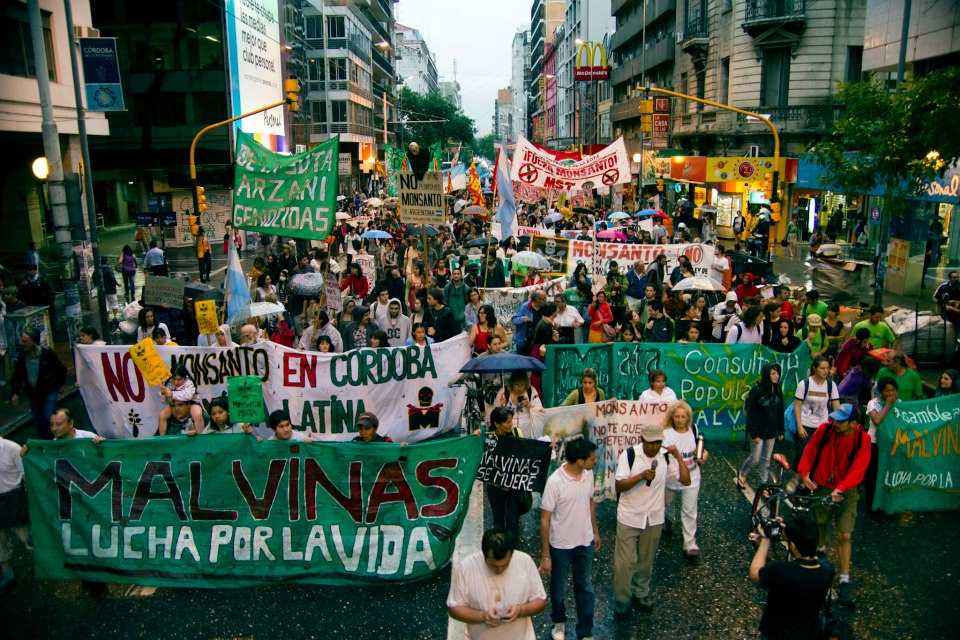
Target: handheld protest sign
point(146, 358)
point(206, 311)
point(245, 394)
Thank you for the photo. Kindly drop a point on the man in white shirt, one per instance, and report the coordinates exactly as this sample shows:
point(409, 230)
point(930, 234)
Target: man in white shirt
point(641, 480)
point(569, 536)
point(720, 266)
point(379, 308)
point(395, 324)
point(567, 320)
point(61, 424)
point(154, 260)
point(496, 591)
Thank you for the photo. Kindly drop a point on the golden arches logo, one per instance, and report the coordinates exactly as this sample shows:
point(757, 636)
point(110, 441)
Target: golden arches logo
point(590, 62)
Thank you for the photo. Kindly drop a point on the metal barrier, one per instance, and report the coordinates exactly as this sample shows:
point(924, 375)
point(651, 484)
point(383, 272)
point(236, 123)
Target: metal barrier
point(933, 344)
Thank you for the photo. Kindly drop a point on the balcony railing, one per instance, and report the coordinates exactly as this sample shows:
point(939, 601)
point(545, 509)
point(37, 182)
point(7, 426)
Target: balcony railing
point(325, 128)
point(695, 27)
point(774, 9)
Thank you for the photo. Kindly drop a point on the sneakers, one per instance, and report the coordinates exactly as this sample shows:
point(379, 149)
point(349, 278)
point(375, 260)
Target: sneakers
point(844, 595)
point(559, 631)
point(693, 553)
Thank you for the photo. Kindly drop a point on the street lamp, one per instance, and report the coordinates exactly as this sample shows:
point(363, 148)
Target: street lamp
point(383, 45)
point(40, 168)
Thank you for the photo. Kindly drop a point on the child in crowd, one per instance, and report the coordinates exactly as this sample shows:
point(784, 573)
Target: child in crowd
point(220, 420)
point(180, 389)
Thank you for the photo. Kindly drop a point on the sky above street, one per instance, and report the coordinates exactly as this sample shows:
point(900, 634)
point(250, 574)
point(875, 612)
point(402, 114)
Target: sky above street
point(475, 33)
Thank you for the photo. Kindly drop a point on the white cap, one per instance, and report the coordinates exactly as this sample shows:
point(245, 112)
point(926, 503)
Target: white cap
point(731, 296)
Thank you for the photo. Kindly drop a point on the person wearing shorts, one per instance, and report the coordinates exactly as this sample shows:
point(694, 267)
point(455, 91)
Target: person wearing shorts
point(834, 463)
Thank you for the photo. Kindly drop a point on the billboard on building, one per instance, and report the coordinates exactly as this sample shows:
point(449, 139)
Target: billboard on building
point(256, 73)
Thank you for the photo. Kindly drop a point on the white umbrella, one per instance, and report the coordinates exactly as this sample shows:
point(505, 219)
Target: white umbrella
point(459, 204)
point(341, 198)
point(531, 260)
point(374, 202)
point(343, 216)
point(697, 283)
point(264, 309)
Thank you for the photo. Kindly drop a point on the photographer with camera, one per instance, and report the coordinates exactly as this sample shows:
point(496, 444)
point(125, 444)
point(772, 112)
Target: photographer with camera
point(796, 589)
point(834, 463)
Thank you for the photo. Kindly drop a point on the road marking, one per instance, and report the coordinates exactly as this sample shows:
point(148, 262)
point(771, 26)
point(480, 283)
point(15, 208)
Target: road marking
point(468, 541)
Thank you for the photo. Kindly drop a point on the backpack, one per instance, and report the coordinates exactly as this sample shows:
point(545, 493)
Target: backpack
point(632, 454)
point(789, 419)
point(821, 445)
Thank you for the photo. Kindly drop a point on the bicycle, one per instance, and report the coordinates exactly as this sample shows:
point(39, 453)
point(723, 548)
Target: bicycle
point(772, 500)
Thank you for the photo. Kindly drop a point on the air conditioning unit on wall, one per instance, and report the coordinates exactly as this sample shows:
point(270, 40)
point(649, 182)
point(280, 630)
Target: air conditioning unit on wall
point(80, 31)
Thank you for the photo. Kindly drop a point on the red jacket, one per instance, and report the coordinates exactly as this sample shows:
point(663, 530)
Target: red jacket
point(357, 285)
point(834, 469)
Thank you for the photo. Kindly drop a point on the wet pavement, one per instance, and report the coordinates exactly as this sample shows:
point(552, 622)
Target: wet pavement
point(905, 579)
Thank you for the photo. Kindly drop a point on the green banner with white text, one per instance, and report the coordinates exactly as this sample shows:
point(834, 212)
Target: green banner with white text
point(229, 511)
point(713, 378)
point(918, 466)
point(288, 195)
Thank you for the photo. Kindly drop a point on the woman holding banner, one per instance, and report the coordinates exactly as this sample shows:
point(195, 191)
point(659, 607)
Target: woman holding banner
point(521, 398)
point(507, 505)
point(484, 329)
point(587, 392)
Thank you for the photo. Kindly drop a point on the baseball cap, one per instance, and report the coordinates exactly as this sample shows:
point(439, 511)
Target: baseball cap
point(652, 432)
point(814, 320)
point(844, 412)
point(731, 296)
point(368, 419)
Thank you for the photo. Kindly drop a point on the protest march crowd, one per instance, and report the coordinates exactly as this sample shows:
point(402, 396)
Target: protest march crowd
point(376, 284)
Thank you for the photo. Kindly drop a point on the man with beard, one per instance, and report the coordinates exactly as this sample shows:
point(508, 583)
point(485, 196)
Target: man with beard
point(395, 324)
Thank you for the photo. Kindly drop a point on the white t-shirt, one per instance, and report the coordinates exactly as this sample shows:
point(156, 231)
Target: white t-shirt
point(718, 268)
point(687, 446)
point(874, 406)
point(815, 410)
point(668, 396)
point(11, 465)
point(80, 433)
point(568, 501)
point(641, 505)
point(474, 585)
point(568, 318)
point(745, 335)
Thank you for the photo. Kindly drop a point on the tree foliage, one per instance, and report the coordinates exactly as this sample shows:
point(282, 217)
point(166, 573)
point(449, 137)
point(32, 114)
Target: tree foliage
point(432, 106)
point(897, 140)
point(483, 147)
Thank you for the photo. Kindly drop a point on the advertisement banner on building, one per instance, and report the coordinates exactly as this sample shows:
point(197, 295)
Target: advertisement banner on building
point(688, 168)
point(590, 62)
point(536, 167)
point(661, 130)
point(750, 170)
point(101, 74)
point(287, 195)
point(254, 65)
point(337, 514)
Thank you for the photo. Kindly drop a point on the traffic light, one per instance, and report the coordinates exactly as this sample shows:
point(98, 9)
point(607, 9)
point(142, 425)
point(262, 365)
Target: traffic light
point(194, 223)
point(292, 88)
point(201, 201)
point(660, 185)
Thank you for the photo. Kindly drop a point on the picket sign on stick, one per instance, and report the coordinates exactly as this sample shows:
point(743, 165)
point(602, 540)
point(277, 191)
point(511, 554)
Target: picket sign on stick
point(144, 355)
point(245, 394)
point(206, 311)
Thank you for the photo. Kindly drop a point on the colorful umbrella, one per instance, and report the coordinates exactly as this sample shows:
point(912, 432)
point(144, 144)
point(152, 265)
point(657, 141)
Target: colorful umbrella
point(376, 234)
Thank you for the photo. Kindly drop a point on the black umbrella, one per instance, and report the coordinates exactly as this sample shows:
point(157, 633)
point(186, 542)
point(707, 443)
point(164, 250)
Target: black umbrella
point(482, 242)
point(500, 362)
point(418, 229)
point(582, 210)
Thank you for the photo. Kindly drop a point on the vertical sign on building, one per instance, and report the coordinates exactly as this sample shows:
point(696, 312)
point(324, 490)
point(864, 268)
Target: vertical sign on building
point(256, 74)
point(101, 74)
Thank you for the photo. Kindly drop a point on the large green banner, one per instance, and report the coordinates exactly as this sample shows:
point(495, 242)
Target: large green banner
point(713, 378)
point(287, 195)
point(229, 511)
point(918, 447)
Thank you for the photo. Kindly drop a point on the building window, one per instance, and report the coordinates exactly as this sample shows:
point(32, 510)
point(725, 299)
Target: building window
point(314, 28)
point(317, 111)
point(724, 94)
point(336, 27)
point(338, 111)
point(338, 68)
point(701, 86)
point(854, 63)
point(775, 77)
point(16, 51)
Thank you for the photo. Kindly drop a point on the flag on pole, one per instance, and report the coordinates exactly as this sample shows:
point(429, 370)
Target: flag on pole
point(237, 291)
point(507, 211)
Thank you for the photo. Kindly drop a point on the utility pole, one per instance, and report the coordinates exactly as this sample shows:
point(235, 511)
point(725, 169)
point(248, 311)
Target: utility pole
point(51, 149)
point(87, 176)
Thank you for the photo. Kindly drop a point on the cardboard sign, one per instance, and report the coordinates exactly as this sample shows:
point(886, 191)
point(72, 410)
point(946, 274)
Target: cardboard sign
point(331, 290)
point(246, 399)
point(148, 361)
point(515, 463)
point(160, 291)
point(422, 201)
point(206, 311)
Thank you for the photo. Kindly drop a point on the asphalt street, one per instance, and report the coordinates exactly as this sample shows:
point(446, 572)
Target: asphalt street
point(906, 582)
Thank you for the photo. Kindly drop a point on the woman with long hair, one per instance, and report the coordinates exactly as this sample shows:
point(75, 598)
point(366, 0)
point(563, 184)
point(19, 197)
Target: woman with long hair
point(680, 431)
point(601, 316)
point(784, 340)
point(763, 407)
point(522, 398)
point(415, 282)
point(128, 269)
point(485, 328)
point(472, 308)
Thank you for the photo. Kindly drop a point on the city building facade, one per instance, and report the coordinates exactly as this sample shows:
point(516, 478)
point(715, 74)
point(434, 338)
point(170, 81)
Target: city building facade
point(503, 115)
point(416, 66)
point(450, 89)
point(520, 82)
point(545, 17)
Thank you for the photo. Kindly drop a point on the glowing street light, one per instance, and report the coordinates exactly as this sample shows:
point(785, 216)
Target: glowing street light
point(40, 168)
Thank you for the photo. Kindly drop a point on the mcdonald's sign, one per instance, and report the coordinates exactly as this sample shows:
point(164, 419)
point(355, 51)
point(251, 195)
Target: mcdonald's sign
point(590, 62)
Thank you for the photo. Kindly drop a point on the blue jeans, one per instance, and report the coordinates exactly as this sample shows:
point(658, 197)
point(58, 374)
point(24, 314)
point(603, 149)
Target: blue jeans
point(42, 407)
point(581, 560)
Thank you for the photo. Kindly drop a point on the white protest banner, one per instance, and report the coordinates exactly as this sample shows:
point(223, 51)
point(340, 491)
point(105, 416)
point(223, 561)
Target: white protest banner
point(612, 425)
point(406, 387)
point(538, 168)
point(507, 300)
point(700, 255)
point(367, 269)
point(331, 290)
